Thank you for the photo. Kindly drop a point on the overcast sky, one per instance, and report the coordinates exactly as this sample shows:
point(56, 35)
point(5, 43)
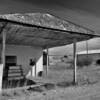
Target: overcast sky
point(87, 5)
point(82, 12)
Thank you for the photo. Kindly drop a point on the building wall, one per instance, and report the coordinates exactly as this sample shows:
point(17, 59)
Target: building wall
point(39, 67)
point(24, 54)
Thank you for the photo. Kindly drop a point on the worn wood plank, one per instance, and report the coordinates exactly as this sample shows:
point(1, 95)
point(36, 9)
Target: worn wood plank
point(21, 88)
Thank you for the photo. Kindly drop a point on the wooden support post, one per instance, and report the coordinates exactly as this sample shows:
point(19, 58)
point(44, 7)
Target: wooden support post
point(47, 62)
point(2, 57)
point(35, 70)
point(31, 70)
point(3, 47)
point(74, 62)
point(87, 48)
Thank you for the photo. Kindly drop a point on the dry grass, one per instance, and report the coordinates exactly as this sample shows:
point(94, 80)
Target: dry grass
point(88, 88)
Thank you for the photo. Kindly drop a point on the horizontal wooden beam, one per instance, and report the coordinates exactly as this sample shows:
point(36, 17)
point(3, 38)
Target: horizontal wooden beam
point(48, 28)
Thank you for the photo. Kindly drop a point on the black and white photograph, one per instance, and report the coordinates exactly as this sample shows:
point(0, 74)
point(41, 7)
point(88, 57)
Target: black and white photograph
point(49, 49)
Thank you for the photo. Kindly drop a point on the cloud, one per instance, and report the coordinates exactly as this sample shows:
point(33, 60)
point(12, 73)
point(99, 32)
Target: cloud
point(86, 5)
point(42, 2)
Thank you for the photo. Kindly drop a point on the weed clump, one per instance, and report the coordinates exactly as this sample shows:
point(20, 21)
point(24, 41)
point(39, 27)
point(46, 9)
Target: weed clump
point(84, 61)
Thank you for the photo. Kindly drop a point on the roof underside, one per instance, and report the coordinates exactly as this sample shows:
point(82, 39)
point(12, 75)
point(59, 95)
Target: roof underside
point(44, 30)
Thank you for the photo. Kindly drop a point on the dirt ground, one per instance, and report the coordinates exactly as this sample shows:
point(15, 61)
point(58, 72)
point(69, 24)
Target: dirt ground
point(88, 92)
point(58, 86)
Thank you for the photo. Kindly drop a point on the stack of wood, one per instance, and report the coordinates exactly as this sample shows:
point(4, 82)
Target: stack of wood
point(14, 76)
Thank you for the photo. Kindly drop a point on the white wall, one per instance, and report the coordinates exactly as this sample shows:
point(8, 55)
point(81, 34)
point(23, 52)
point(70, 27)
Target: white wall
point(39, 67)
point(24, 54)
point(1, 73)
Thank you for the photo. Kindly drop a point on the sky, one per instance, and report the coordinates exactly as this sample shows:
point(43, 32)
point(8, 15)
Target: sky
point(83, 12)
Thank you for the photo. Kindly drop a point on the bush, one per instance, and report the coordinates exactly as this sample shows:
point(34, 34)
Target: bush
point(98, 62)
point(84, 61)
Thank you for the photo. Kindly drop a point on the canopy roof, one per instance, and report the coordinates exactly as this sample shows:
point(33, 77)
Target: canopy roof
point(38, 29)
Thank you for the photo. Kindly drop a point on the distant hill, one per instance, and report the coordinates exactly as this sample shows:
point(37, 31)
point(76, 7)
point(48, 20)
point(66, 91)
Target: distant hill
point(93, 44)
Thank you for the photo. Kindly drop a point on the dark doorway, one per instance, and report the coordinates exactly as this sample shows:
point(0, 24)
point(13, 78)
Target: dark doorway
point(11, 60)
point(44, 58)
